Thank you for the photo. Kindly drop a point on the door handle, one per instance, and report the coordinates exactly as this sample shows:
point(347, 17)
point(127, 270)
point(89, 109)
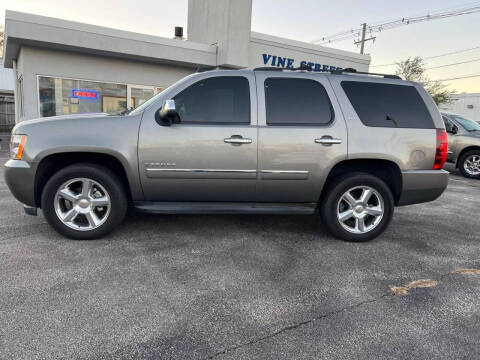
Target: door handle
point(237, 140)
point(328, 140)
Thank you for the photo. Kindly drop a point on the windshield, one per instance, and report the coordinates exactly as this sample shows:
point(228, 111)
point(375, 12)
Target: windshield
point(467, 124)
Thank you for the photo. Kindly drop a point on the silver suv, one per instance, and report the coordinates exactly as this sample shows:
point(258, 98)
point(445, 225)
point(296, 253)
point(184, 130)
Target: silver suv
point(348, 146)
point(463, 144)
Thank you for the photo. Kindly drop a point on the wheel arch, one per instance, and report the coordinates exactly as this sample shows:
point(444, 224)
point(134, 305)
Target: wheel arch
point(388, 171)
point(52, 163)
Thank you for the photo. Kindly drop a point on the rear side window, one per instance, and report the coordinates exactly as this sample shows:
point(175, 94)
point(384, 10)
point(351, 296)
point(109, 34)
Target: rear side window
point(386, 105)
point(217, 100)
point(296, 102)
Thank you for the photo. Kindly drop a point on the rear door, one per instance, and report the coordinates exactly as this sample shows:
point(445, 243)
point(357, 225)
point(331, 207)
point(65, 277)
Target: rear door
point(388, 119)
point(212, 154)
point(302, 134)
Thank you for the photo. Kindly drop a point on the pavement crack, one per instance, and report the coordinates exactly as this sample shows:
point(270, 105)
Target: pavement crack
point(296, 325)
point(331, 313)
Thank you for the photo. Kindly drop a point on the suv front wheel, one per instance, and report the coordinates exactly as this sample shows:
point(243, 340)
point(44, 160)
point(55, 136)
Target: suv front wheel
point(358, 207)
point(84, 201)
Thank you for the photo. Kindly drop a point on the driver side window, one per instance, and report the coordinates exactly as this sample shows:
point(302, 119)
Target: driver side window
point(217, 100)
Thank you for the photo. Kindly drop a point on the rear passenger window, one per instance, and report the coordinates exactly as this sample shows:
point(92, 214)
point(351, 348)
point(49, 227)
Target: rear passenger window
point(296, 102)
point(386, 105)
point(217, 100)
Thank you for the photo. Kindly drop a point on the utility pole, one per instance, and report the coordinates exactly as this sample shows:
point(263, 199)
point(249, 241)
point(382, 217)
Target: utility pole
point(363, 41)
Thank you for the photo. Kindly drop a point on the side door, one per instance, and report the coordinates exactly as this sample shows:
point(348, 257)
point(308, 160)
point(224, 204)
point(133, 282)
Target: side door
point(211, 155)
point(302, 135)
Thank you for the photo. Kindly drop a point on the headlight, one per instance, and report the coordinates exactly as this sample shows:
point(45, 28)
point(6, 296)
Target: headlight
point(17, 142)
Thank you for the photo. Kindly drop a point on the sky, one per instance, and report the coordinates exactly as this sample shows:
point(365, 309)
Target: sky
point(305, 20)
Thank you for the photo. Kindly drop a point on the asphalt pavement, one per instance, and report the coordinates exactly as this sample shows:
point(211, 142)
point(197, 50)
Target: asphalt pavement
point(243, 287)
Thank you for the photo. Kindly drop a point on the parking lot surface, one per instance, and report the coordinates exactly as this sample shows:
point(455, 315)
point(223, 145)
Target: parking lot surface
point(243, 287)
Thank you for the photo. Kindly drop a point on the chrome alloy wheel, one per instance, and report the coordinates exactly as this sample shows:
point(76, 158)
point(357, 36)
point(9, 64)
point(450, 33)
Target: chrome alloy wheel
point(360, 209)
point(82, 204)
point(472, 165)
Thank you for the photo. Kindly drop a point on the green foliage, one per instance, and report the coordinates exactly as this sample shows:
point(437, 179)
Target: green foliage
point(413, 69)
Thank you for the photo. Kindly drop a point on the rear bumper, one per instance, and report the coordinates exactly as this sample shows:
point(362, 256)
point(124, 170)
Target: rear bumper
point(20, 179)
point(421, 186)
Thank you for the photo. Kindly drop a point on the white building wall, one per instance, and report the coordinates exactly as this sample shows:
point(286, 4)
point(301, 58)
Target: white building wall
point(264, 50)
point(225, 23)
point(36, 61)
point(6, 79)
point(467, 105)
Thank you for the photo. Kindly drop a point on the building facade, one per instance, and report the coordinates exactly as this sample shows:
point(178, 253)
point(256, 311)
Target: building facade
point(7, 102)
point(64, 67)
point(467, 105)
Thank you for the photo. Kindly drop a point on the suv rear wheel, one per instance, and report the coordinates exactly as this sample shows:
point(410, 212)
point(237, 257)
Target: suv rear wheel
point(358, 207)
point(469, 164)
point(84, 201)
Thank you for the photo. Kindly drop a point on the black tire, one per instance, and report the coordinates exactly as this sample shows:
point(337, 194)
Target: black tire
point(103, 176)
point(330, 203)
point(461, 164)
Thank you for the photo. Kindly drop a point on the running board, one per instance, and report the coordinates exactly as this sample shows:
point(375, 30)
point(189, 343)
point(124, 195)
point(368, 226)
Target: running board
point(160, 207)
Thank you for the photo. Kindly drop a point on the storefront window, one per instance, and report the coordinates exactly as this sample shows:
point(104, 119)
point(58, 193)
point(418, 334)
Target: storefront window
point(138, 95)
point(66, 96)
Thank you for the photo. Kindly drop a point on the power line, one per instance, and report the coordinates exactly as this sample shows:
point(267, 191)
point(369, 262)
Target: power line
point(453, 64)
point(436, 56)
point(355, 32)
point(458, 78)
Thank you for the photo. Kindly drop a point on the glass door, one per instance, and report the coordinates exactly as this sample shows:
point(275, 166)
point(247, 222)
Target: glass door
point(138, 94)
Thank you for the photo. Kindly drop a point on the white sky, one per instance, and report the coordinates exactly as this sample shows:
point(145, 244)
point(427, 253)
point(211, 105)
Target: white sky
point(302, 20)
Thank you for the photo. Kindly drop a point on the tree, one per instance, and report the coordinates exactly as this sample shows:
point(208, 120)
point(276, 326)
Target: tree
point(413, 69)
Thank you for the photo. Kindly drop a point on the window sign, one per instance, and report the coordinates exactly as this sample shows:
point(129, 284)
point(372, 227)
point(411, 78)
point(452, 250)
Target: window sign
point(84, 94)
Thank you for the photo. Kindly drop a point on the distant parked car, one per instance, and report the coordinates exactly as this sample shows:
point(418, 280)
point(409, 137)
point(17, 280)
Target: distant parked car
point(463, 144)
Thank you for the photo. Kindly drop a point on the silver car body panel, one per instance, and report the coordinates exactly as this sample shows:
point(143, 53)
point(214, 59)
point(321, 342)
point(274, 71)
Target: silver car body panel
point(194, 161)
point(410, 149)
point(293, 165)
point(194, 166)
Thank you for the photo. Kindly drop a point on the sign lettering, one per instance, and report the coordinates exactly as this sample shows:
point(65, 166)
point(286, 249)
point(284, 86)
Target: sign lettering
point(288, 63)
point(84, 94)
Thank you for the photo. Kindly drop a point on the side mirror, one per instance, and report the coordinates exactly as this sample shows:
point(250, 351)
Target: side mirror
point(451, 128)
point(167, 114)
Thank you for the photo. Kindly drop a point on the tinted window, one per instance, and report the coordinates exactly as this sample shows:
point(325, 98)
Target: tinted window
point(386, 105)
point(218, 100)
point(296, 102)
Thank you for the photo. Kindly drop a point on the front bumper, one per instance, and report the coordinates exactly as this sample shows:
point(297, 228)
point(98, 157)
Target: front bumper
point(20, 179)
point(421, 186)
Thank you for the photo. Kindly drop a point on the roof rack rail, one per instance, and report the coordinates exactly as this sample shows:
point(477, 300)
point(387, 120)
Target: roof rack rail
point(268, 68)
point(335, 72)
point(272, 68)
point(353, 71)
point(303, 67)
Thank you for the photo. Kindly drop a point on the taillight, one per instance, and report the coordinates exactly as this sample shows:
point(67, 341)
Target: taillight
point(442, 149)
